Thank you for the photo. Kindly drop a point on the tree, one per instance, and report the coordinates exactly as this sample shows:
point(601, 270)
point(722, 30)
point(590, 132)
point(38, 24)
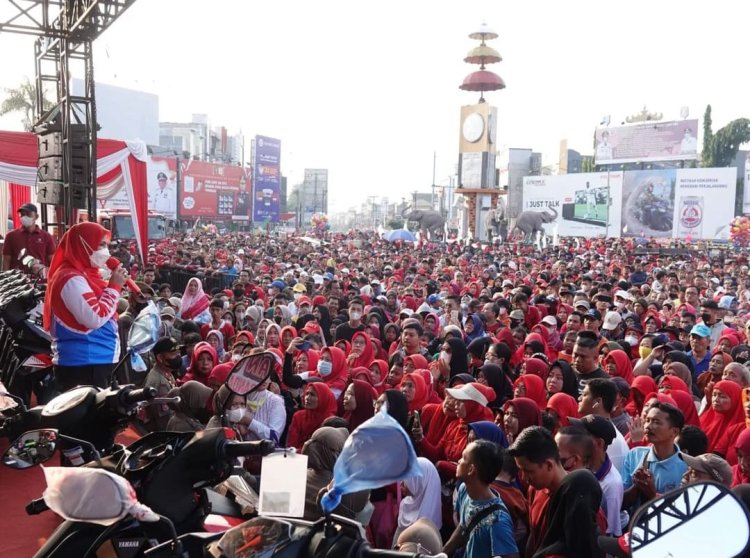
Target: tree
point(23, 99)
point(720, 148)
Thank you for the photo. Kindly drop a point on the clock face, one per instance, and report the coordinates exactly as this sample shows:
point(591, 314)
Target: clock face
point(473, 127)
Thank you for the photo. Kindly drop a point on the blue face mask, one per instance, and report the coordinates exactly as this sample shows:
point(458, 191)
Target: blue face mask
point(325, 367)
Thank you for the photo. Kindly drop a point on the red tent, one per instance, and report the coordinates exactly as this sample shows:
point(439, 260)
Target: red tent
point(118, 163)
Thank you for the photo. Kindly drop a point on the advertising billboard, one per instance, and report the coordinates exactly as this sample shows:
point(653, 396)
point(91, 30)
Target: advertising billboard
point(161, 174)
point(584, 204)
point(674, 203)
point(663, 203)
point(675, 140)
point(746, 191)
point(267, 183)
point(213, 191)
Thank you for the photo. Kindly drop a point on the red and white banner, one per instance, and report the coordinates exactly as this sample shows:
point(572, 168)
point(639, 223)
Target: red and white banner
point(118, 164)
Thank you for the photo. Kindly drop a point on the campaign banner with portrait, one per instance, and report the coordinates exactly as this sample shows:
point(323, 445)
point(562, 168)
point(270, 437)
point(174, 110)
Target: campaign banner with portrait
point(583, 204)
point(267, 183)
point(213, 191)
point(161, 175)
point(675, 140)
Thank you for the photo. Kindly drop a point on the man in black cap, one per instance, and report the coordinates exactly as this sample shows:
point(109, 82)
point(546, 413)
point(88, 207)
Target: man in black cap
point(167, 361)
point(29, 236)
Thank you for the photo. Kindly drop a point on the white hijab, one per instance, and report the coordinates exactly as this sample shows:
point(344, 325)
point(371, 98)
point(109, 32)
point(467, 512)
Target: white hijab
point(424, 500)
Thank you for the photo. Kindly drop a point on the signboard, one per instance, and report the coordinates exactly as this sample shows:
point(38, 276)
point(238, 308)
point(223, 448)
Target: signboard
point(213, 190)
point(581, 202)
point(267, 190)
point(161, 174)
point(663, 203)
point(675, 140)
point(746, 194)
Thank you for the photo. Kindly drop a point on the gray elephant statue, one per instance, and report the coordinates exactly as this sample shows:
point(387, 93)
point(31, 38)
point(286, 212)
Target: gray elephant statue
point(431, 221)
point(530, 222)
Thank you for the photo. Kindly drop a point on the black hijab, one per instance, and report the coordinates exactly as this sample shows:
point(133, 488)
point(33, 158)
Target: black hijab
point(570, 383)
point(398, 407)
point(499, 381)
point(325, 323)
point(459, 356)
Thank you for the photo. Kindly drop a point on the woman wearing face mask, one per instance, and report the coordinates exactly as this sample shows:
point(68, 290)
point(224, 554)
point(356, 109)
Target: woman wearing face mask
point(332, 369)
point(230, 410)
point(80, 312)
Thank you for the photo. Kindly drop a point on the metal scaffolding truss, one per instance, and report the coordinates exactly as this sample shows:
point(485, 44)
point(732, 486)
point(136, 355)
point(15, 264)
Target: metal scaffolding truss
point(66, 132)
point(77, 20)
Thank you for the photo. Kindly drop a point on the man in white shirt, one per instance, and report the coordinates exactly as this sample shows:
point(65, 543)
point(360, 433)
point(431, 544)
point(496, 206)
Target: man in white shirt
point(266, 415)
point(598, 398)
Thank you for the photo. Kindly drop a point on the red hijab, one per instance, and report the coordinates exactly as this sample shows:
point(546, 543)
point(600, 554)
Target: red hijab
point(421, 393)
point(527, 411)
point(743, 444)
point(685, 404)
point(417, 360)
point(364, 395)
point(383, 368)
point(307, 421)
point(192, 372)
point(643, 385)
point(339, 371)
point(72, 259)
point(290, 329)
point(344, 346)
point(367, 356)
point(565, 406)
point(623, 366)
point(535, 389)
point(432, 396)
point(457, 433)
point(716, 424)
point(671, 384)
point(537, 367)
point(313, 357)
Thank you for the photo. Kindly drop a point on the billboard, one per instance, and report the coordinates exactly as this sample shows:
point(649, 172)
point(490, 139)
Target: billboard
point(267, 190)
point(675, 140)
point(581, 202)
point(664, 203)
point(746, 190)
point(214, 191)
point(161, 173)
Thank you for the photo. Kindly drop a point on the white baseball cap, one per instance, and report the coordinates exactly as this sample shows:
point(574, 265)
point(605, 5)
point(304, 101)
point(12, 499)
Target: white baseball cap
point(611, 320)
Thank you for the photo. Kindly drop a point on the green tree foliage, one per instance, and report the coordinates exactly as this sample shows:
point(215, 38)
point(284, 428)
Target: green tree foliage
point(23, 99)
point(720, 148)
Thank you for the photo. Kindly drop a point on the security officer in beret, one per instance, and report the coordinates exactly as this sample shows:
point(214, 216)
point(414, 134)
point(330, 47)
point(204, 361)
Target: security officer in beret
point(168, 360)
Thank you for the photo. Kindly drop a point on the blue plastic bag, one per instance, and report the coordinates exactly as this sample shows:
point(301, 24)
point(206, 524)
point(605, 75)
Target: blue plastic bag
point(378, 453)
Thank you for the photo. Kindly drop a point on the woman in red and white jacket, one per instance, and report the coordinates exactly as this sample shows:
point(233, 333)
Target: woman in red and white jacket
point(80, 308)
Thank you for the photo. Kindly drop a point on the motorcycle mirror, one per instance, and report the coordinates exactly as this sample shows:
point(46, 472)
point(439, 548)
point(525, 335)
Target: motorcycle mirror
point(689, 521)
point(144, 332)
point(31, 448)
point(250, 372)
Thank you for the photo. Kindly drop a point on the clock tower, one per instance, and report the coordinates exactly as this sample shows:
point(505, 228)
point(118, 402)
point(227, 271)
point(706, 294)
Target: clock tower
point(478, 137)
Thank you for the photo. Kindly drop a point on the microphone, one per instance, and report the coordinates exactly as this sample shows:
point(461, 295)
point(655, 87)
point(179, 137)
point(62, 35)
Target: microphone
point(113, 263)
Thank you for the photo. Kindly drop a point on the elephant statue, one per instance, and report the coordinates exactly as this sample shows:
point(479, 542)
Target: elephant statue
point(431, 221)
point(530, 222)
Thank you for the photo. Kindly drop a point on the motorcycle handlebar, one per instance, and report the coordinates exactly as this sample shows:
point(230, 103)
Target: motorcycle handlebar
point(243, 449)
point(137, 395)
point(36, 507)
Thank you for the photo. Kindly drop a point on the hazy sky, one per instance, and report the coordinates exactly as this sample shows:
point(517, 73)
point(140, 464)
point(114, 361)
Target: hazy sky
point(369, 90)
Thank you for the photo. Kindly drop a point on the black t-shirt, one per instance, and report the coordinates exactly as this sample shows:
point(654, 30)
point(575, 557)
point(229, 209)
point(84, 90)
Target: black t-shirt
point(584, 379)
point(346, 332)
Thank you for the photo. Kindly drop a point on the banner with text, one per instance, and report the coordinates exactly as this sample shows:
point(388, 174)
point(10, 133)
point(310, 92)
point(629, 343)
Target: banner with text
point(214, 191)
point(746, 190)
point(267, 183)
point(662, 203)
point(676, 140)
point(580, 201)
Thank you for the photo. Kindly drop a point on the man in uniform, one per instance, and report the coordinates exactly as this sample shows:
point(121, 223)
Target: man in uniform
point(163, 200)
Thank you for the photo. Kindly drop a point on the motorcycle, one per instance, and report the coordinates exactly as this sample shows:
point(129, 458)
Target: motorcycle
point(170, 472)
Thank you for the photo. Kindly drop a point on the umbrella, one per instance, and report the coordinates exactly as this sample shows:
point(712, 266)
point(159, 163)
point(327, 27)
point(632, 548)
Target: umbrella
point(399, 234)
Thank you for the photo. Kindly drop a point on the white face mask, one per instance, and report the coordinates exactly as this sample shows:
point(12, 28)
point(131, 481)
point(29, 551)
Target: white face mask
point(99, 257)
point(236, 357)
point(355, 315)
point(632, 341)
point(235, 415)
point(325, 367)
point(445, 356)
point(27, 221)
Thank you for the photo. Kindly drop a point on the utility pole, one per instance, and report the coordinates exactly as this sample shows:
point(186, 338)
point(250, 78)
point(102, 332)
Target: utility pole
point(434, 161)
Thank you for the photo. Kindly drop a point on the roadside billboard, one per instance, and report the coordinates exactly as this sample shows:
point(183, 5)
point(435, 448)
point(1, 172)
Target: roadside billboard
point(746, 190)
point(587, 204)
point(213, 191)
point(664, 203)
point(267, 180)
point(675, 140)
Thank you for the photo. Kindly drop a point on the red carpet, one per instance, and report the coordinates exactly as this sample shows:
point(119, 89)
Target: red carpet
point(21, 535)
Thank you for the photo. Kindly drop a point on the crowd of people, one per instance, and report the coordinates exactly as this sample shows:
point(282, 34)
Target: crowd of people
point(549, 392)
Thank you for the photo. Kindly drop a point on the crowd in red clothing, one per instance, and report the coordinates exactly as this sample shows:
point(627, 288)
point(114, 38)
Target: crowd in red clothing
point(625, 364)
